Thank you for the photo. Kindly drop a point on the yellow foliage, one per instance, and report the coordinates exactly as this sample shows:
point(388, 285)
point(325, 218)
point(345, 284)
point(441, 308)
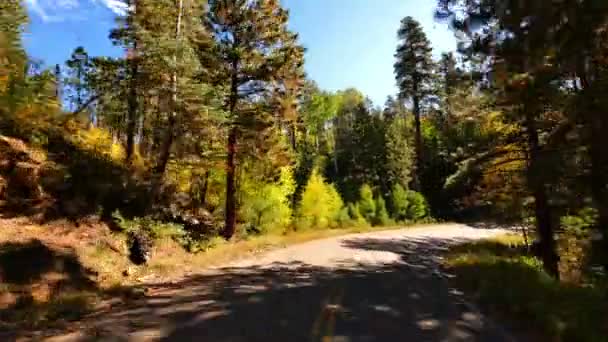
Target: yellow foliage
point(99, 141)
point(179, 174)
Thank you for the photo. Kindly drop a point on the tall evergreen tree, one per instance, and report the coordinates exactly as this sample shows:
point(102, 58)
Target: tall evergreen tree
point(449, 81)
point(77, 80)
point(517, 42)
point(254, 52)
point(127, 35)
point(414, 75)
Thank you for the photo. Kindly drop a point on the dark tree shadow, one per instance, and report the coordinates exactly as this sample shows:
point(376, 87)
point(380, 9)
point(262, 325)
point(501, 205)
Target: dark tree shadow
point(26, 263)
point(405, 300)
point(31, 269)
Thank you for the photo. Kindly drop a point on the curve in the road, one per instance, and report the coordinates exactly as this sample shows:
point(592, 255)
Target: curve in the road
point(384, 286)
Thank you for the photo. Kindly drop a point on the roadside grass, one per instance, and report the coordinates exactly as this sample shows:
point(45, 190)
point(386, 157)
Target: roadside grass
point(505, 280)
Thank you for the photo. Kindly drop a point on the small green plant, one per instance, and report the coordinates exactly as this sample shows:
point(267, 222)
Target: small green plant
point(155, 229)
point(417, 206)
point(381, 217)
point(408, 205)
point(320, 205)
point(367, 206)
point(266, 206)
point(399, 203)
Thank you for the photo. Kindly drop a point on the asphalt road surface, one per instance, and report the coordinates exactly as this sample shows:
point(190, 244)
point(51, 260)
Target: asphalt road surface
point(382, 286)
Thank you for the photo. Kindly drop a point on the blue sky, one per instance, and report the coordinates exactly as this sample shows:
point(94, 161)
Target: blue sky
point(350, 42)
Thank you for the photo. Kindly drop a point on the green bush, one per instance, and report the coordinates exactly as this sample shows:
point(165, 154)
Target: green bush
point(344, 219)
point(367, 206)
point(357, 220)
point(417, 206)
point(266, 206)
point(408, 205)
point(381, 217)
point(399, 203)
point(320, 205)
point(155, 229)
point(505, 279)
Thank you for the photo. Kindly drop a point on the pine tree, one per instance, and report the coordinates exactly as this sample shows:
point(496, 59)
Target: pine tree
point(78, 76)
point(366, 204)
point(254, 53)
point(126, 35)
point(381, 217)
point(170, 52)
point(449, 81)
point(414, 74)
point(526, 89)
point(399, 153)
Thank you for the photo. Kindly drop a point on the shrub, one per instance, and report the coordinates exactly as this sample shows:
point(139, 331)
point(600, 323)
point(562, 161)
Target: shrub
point(417, 206)
point(266, 206)
point(399, 203)
point(408, 205)
point(155, 229)
point(320, 205)
point(356, 218)
point(381, 217)
point(503, 277)
point(367, 206)
point(344, 219)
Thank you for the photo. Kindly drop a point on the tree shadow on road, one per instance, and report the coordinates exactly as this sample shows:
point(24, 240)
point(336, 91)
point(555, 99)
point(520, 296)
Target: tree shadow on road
point(401, 301)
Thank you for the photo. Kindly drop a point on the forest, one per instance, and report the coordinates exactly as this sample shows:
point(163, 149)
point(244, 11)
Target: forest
point(208, 127)
point(209, 117)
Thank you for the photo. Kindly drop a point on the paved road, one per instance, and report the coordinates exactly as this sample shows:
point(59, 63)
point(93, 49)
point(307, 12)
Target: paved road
point(383, 286)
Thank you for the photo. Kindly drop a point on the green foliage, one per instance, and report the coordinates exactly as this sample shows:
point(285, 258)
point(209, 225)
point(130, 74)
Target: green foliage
point(505, 278)
point(266, 206)
point(399, 152)
point(580, 223)
point(153, 228)
point(417, 207)
point(399, 203)
point(366, 203)
point(344, 218)
point(408, 204)
point(381, 218)
point(320, 206)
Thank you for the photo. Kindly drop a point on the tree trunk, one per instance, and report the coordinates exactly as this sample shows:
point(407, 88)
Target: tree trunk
point(230, 223)
point(418, 144)
point(165, 151)
point(599, 175)
point(132, 98)
point(542, 209)
point(203, 199)
point(132, 111)
point(230, 214)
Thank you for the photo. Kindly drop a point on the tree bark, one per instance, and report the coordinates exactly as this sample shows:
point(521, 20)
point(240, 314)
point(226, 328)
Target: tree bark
point(418, 143)
point(230, 223)
point(132, 111)
point(203, 199)
point(599, 177)
point(165, 150)
point(132, 97)
point(542, 209)
point(230, 214)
